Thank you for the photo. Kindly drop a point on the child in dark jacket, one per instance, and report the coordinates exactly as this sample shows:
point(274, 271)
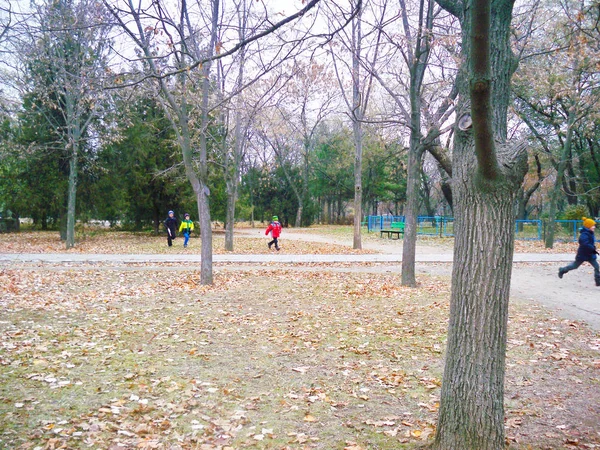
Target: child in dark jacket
point(171, 226)
point(586, 251)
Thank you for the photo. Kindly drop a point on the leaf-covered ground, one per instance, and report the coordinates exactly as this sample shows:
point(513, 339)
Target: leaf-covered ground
point(101, 241)
point(133, 356)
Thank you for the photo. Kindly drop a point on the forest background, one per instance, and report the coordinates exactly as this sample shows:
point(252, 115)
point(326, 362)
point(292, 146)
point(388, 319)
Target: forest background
point(280, 113)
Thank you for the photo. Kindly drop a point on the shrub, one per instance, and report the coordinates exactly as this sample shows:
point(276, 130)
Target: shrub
point(575, 212)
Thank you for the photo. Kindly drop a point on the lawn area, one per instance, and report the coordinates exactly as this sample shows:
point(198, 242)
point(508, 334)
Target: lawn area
point(106, 241)
point(134, 356)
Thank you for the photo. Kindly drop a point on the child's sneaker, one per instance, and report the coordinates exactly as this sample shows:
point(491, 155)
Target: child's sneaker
point(560, 273)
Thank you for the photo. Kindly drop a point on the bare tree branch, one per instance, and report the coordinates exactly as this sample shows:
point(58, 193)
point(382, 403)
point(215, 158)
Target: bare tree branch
point(198, 62)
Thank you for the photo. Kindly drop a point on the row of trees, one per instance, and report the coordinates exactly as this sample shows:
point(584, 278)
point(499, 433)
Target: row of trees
point(133, 180)
point(134, 108)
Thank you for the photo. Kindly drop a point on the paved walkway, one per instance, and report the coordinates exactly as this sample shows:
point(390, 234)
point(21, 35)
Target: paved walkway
point(260, 258)
point(574, 297)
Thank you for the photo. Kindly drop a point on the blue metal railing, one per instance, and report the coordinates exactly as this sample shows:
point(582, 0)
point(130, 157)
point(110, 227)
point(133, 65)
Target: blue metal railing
point(426, 226)
point(532, 230)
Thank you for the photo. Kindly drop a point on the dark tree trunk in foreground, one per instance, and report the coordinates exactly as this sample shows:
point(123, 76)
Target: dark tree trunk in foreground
point(487, 173)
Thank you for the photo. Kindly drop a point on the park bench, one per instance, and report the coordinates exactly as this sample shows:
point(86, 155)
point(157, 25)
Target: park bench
point(396, 228)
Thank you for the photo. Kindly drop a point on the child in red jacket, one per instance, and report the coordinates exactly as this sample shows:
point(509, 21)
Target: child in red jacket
point(275, 229)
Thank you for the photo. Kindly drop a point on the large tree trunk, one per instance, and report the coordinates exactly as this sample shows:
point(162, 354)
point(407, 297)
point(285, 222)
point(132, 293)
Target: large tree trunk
point(472, 411)
point(486, 177)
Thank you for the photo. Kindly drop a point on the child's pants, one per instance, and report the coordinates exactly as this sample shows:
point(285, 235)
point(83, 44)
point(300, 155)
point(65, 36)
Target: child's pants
point(186, 238)
point(274, 241)
point(575, 265)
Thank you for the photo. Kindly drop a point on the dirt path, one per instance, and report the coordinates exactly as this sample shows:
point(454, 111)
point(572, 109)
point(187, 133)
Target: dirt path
point(574, 297)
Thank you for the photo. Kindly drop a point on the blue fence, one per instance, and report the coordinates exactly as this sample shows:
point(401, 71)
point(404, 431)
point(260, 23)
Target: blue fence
point(426, 226)
point(532, 230)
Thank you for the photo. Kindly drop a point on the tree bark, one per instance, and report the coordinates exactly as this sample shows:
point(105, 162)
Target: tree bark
point(487, 173)
point(472, 411)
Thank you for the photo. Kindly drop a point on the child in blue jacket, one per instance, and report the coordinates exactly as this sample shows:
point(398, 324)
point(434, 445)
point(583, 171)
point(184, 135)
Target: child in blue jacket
point(586, 251)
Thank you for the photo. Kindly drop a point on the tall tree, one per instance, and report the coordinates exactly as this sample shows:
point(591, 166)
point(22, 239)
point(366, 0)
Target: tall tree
point(141, 178)
point(234, 147)
point(357, 102)
point(173, 50)
point(423, 99)
point(65, 62)
point(487, 173)
point(181, 49)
